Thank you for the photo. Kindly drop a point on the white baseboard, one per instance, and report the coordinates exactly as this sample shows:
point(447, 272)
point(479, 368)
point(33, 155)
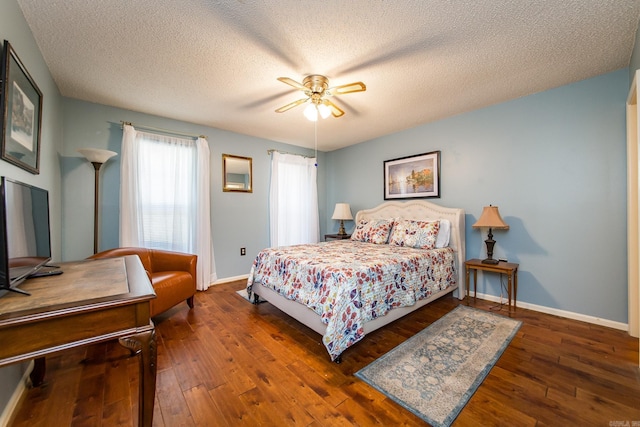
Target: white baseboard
point(230, 279)
point(562, 313)
point(12, 405)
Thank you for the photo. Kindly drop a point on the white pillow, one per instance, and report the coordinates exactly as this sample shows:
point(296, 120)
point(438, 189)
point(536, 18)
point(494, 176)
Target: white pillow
point(442, 240)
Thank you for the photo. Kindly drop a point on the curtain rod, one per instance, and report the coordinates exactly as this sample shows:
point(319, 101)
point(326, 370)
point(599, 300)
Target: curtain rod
point(191, 135)
point(286, 152)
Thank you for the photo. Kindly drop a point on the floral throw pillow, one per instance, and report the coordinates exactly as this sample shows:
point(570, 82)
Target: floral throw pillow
point(415, 234)
point(372, 231)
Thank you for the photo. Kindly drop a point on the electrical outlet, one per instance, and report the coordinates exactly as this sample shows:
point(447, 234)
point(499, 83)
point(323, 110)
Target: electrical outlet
point(243, 251)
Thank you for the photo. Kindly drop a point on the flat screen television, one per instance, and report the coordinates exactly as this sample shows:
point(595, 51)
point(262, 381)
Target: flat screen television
point(25, 236)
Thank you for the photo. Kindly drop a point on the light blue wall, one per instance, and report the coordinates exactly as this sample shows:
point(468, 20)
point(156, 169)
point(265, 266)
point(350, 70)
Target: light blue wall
point(13, 28)
point(554, 163)
point(238, 219)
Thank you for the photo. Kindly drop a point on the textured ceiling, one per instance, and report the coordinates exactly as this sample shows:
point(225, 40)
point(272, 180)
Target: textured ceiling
point(216, 62)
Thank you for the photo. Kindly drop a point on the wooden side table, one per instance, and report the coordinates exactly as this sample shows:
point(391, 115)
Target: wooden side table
point(337, 236)
point(508, 268)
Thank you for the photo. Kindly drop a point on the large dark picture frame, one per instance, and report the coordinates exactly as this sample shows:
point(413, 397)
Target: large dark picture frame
point(412, 177)
point(21, 113)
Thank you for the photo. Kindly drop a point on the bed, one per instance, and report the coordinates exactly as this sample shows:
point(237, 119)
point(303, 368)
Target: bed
point(344, 289)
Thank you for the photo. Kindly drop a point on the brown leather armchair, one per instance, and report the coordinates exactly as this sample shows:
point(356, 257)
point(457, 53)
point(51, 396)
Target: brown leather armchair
point(172, 274)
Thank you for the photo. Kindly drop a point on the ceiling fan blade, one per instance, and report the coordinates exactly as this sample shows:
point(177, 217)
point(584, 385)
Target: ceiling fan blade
point(348, 88)
point(335, 110)
point(291, 105)
point(293, 83)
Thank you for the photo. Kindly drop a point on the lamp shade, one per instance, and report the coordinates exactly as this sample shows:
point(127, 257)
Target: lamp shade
point(324, 111)
point(342, 211)
point(490, 218)
point(96, 155)
point(311, 112)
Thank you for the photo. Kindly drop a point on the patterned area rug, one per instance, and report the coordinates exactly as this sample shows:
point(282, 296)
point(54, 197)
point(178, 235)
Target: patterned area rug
point(434, 373)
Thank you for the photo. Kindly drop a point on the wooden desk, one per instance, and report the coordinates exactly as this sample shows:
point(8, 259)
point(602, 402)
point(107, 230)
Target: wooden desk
point(92, 301)
point(508, 268)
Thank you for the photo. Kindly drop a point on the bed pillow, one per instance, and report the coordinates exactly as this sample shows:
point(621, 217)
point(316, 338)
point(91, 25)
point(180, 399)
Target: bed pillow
point(442, 241)
point(372, 231)
point(415, 234)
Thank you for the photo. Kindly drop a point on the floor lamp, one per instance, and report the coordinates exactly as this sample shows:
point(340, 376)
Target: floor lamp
point(97, 157)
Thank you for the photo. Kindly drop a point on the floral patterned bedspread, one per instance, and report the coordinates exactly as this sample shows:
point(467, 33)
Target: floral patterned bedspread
point(349, 283)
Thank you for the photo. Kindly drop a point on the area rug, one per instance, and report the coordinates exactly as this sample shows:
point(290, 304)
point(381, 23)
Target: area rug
point(434, 373)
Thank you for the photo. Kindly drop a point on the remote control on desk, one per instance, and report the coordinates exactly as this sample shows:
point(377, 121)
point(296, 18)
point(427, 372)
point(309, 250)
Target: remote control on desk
point(46, 272)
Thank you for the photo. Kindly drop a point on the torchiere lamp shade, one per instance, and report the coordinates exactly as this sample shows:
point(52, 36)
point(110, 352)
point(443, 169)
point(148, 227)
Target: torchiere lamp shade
point(96, 155)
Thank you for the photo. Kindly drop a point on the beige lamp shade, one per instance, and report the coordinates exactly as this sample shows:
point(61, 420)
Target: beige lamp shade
point(490, 218)
point(96, 155)
point(342, 211)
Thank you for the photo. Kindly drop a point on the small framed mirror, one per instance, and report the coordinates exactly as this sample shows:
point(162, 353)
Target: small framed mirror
point(236, 174)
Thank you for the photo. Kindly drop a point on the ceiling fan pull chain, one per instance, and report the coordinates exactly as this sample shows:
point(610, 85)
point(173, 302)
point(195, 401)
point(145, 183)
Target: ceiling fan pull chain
point(315, 132)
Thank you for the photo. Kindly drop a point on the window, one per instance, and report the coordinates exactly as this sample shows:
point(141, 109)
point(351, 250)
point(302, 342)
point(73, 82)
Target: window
point(166, 186)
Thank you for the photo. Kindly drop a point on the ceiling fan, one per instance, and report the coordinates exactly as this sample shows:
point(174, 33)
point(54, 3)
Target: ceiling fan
point(317, 90)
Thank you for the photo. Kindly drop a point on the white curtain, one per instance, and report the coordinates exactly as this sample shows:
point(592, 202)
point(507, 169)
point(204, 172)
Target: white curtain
point(293, 200)
point(165, 197)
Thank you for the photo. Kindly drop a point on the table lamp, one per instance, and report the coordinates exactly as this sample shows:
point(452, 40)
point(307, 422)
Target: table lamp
point(342, 212)
point(490, 218)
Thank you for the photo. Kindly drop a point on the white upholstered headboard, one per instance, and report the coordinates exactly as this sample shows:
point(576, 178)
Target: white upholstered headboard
point(423, 210)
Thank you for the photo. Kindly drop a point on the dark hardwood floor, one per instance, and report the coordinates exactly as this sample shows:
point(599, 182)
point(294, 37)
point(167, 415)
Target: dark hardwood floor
point(229, 363)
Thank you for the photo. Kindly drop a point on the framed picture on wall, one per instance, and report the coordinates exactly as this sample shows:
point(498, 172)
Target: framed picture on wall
point(21, 113)
point(412, 177)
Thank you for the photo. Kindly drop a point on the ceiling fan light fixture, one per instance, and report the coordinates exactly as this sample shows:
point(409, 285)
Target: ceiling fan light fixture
point(316, 88)
point(311, 112)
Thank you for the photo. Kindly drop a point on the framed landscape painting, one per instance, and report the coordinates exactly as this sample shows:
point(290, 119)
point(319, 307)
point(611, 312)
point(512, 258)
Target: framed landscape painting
point(21, 113)
point(412, 177)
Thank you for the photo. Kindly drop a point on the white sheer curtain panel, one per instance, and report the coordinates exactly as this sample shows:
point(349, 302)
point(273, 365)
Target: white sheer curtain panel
point(130, 203)
point(203, 238)
point(293, 200)
point(165, 197)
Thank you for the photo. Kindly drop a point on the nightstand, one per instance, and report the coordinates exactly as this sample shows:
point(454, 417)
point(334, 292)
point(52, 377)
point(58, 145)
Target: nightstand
point(337, 236)
point(508, 268)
